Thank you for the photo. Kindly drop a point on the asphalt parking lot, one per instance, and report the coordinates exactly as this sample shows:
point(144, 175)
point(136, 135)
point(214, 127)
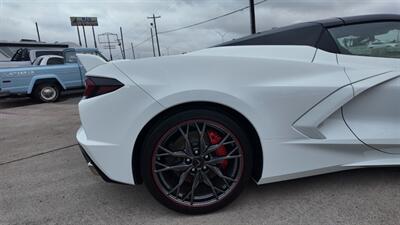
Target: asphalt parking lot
point(44, 180)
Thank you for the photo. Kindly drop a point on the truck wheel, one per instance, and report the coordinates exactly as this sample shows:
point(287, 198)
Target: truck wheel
point(47, 92)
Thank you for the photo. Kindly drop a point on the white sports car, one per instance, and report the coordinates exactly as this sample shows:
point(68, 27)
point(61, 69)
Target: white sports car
point(295, 101)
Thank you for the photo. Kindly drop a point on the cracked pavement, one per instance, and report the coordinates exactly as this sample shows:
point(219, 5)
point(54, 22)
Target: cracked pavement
point(44, 180)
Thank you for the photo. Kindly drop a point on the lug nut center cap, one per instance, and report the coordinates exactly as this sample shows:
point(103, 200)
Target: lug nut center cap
point(197, 162)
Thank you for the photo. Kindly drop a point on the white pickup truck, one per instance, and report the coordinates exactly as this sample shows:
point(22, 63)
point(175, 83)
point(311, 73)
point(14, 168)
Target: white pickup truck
point(26, 57)
point(45, 60)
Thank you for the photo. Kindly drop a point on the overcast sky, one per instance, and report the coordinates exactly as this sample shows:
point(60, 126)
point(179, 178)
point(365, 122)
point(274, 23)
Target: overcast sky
point(17, 18)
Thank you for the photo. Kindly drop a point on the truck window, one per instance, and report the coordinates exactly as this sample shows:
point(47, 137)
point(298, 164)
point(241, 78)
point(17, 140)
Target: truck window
point(22, 54)
point(39, 61)
point(70, 57)
point(40, 53)
point(55, 61)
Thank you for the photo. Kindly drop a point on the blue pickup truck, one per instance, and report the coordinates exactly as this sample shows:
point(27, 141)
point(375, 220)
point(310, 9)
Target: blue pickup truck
point(45, 83)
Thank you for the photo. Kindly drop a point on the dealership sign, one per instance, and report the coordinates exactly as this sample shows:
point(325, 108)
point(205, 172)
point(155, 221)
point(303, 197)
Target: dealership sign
point(84, 21)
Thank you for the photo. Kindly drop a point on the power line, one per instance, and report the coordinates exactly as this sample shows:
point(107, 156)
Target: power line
point(142, 42)
point(209, 20)
point(199, 23)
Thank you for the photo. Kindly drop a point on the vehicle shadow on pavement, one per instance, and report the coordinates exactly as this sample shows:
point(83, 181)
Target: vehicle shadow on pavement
point(58, 188)
point(322, 199)
point(13, 102)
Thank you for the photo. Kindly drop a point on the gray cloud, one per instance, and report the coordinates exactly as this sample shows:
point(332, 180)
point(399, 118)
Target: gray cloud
point(17, 19)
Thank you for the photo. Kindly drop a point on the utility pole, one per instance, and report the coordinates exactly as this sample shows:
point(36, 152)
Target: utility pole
point(252, 17)
point(94, 37)
point(120, 48)
point(37, 31)
point(109, 46)
point(155, 29)
point(133, 51)
point(84, 35)
point(79, 36)
point(123, 45)
point(152, 41)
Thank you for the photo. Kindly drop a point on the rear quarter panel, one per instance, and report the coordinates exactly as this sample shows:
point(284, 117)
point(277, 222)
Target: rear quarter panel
point(271, 93)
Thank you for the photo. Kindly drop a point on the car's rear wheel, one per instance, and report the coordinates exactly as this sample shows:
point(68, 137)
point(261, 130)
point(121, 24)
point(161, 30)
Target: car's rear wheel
point(47, 92)
point(196, 161)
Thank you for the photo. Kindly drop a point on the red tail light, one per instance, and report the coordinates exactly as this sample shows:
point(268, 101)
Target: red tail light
point(95, 86)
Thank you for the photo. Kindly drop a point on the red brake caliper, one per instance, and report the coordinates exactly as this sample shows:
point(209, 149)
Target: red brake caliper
point(221, 151)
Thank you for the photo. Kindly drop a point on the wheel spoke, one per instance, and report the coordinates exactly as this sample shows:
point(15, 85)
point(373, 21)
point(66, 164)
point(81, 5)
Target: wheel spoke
point(210, 184)
point(196, 182)
point(186, 137)
point(233, 151)
point(182, 179)
point(201, 136)
point(218, 172)
point(218, 159)
point(194, 187)
point(171, 153)
point(176, 167)
point(213, 148)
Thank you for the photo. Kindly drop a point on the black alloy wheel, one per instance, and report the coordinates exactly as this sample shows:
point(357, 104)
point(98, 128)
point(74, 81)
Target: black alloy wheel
point(196, 161)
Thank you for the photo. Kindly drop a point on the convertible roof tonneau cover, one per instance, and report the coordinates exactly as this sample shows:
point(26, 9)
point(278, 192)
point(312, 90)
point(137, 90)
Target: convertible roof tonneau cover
point(308, 33)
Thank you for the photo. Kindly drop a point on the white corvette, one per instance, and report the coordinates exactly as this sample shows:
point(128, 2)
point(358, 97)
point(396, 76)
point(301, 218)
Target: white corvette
point(291, 102)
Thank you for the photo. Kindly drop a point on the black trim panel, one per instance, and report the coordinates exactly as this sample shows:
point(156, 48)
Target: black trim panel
point(102, 175)
point(298, 34)
point(332, 22)
point(327, 43)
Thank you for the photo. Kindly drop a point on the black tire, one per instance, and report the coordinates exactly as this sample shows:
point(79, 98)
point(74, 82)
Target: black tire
point(238, 168)
point(47, 92)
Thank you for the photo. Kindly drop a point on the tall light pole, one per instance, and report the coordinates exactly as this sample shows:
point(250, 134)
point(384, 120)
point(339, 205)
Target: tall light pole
point(252, 17)
point(123, 45)
point(133, 51)
point(94, 37)
point(155, 29)
point(84, 35)
point(79, 36)
point(120, 48)
point(37, 31)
